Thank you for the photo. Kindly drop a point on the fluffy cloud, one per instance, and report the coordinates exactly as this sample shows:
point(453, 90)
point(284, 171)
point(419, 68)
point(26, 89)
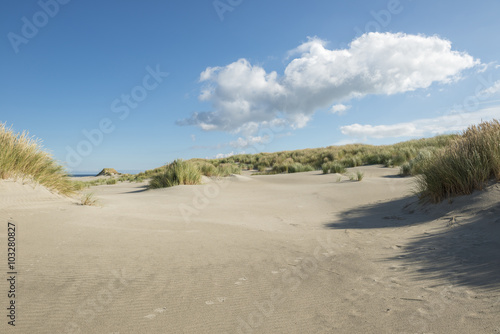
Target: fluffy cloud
point(423, 127)
point(224, 155)
point(375, 63)
point(249, 141)
point(339, 109)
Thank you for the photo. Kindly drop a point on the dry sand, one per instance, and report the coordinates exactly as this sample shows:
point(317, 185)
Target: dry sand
point(296, 253)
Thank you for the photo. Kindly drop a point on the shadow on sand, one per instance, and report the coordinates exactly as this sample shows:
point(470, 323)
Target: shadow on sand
point(139, 190)
point(462, 251)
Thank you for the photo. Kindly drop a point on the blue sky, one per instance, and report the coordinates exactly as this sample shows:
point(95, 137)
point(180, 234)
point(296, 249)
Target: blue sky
point(133, 85)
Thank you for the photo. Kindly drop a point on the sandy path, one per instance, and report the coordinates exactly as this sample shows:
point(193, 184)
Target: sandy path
point(297, 253)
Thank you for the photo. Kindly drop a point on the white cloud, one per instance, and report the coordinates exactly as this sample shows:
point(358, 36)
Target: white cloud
point(375, 63)
point(339, 109)
point(422, 127)
point(483, 67)
point(226, 155)
point(249, 141)
point(345, 142)
point(492, 90)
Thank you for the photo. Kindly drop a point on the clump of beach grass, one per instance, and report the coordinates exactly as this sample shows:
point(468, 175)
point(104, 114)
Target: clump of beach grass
point(89, 199)
point(22, 156)
point(414, 166)
point(356, 177)
point(333, 167)
point(111, 181)
point(79, 185)
point(228, 169)
point(467, 164)
point(178, 172)
point(325, 168)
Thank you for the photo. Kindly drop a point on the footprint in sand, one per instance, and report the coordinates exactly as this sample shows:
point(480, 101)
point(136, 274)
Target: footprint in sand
point(157, 310)
point(398, 268)
point(219, 299)
point(240, 281)
point(160, 310)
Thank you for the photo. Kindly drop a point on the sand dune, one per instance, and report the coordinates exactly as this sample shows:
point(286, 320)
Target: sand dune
point(292, 253)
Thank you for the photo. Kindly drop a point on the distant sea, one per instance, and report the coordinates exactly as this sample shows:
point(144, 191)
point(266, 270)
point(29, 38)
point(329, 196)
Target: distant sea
point(91, 173)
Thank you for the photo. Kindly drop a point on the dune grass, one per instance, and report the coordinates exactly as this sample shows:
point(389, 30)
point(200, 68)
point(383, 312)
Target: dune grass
point(290, 167)
point(178, 172)
point(89, 199)
point(333, 167)
point(22, 156)
point(345, 156)
point(210, 168)
point(226, 170)
point(467, 164)
point(79, 185)
point(414, 166)
point(445, 166)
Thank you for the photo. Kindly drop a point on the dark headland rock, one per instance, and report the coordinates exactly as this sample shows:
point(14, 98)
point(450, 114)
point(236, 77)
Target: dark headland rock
point(108, 172)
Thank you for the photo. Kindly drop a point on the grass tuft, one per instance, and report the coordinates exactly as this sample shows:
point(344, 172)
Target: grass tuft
point(89, 199)
point(178, 172)
point(466, 165)
point(22, 156)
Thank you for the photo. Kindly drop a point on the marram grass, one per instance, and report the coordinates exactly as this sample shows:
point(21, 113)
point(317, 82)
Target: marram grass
point(467, 164)
point(177, 173)
point(22, 156)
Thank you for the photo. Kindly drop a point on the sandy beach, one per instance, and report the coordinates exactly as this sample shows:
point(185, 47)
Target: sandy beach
point(291, 253)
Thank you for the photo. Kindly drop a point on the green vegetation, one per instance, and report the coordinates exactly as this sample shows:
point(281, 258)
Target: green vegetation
point(467, 164)
point(356, 177)
point(445, 166)
point(334, 159)
point(79, 185)
point(212, 168)
point(88, 199)
point(189, 172)
point(177, 173)
point(414, 166)
point(21, 156)
point(290, 167)
point(111, 181)
point(333, 167)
